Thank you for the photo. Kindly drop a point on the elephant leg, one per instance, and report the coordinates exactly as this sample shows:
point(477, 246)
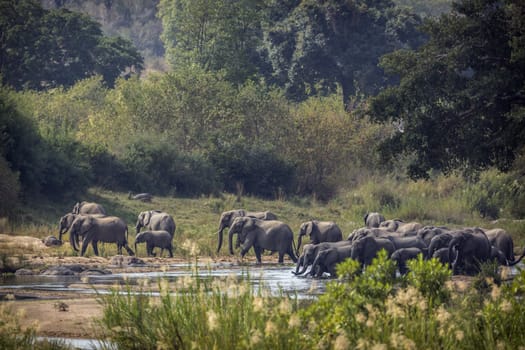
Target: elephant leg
point(170, 251)
point(149, 248)
point(258, 251)
point(281, 257)
point(95, 247)
point(85, 242)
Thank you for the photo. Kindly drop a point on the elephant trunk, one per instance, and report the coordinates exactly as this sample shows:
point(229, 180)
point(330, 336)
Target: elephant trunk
point(221, 228)
point(72, 239)
point(517, 260)
point(454, 243)
point(299, 240)
point(230, 245)
point(135, 246)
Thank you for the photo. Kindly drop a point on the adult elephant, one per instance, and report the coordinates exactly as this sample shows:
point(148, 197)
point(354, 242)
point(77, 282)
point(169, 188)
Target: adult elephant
point(88, 208)
point(108, 229)
point(366, 249)
point(326, 260)
point(67, 220)
point(502, 240)
point(310, 252)
point(319, 231)
point(271, 235)
point(156, 220)
point(404, 228)
point(408, 242)
point(440, 241)
point(373, 219)
point(428, 232)
point(472, 248)
point(227, 218)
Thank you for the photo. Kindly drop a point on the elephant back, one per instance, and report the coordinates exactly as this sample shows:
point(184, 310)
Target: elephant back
point(161, 221)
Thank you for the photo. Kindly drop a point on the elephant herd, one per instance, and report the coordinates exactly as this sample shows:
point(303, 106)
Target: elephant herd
point(463, 249)
point(90, 222)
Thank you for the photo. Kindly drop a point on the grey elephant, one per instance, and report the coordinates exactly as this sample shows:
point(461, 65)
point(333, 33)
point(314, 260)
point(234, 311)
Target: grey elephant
point(67, 220)
point(408, 242)
point(88, 208)
point(373, 219)
point(271, 235)
point(227, 218)
point(440, 241)
point(108, 229)
point(428, 232)
point(327, 260)
point(472, 248)
point(310, 252)
point(160, 239)
point(502, 240)
point(366, 249)
point(402, 255)
point(156, 220)
point(442, 256)
point(405, 228)
point(319, 231)
point(368, 232)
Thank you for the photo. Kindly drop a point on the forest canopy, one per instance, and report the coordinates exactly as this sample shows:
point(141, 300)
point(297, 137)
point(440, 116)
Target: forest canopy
point(268, 98)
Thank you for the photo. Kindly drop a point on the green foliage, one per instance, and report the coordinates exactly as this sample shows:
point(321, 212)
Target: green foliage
point(156, 166)
point(259, 170)
point(498, 194)
point(9, 189)
point(459, 101)
point(213, 34)
point(430, 278)
point(425, 8)
point(42, 48)
point(316, 47)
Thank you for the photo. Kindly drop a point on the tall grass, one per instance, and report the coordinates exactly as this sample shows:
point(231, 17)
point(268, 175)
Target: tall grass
point(372, 309)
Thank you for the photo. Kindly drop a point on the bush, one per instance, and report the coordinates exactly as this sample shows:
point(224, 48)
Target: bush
point(259, 170)
point(156, 166)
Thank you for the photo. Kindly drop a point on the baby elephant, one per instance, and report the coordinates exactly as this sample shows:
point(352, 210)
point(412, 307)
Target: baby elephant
point(161, 239)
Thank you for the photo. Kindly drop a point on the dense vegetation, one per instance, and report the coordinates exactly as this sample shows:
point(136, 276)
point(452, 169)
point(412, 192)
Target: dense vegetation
point(284, 99)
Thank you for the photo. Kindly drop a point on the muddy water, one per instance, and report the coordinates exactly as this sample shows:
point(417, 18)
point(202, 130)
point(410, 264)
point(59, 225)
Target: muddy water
point(275, 278)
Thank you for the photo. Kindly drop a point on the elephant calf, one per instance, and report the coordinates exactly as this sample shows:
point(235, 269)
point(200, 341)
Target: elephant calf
point(161, 239)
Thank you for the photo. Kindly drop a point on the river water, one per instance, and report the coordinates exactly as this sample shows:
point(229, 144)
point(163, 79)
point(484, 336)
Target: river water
point(275, 278)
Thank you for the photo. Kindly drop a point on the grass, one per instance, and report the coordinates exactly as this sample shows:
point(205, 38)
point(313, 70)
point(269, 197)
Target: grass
point(425, 309)
point(441, 201)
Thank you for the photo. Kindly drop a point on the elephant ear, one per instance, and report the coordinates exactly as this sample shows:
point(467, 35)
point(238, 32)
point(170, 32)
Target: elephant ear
point(147, 217)
point(248, 223)
point(309, 228)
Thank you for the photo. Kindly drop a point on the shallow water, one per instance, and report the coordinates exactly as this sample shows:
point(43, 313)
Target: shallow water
point(275, 278)
point(74, 343)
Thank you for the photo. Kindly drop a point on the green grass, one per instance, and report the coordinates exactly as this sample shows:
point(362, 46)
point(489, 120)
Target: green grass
point(368, 310)
point(441, 201)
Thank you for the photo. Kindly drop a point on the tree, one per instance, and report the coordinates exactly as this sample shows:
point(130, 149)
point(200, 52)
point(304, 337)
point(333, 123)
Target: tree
point(460, 101)
point(320, 45)
point(43, 49)
point(213, 34)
